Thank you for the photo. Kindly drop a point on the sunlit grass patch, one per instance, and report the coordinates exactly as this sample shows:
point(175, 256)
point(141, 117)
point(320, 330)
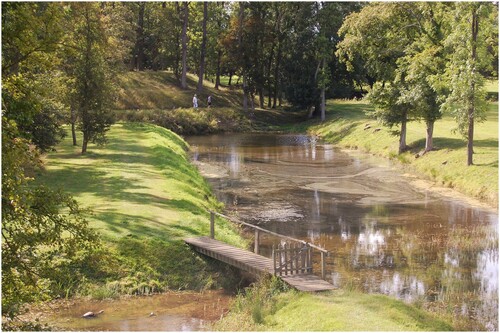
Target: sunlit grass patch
point(264, 310)
point(145, 197)
point(161, 90)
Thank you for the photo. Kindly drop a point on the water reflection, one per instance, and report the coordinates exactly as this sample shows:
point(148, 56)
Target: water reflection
point(384, 235)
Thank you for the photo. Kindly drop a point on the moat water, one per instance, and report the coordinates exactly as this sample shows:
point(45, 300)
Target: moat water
point(384, 234)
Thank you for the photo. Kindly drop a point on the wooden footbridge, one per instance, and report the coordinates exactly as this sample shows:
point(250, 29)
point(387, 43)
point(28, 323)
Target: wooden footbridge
point(291, 262)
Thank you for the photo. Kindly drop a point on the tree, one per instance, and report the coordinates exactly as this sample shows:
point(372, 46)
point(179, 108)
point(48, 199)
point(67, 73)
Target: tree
point(300, 65)
point(218, 26)
point(401, 47)
point(203, 46)
point(424, 62)
point(391, 109)
point(474, 27)
point(184, 45)
point(32, 84)
point(42, 229)
point(139, 52)
point(92, 74)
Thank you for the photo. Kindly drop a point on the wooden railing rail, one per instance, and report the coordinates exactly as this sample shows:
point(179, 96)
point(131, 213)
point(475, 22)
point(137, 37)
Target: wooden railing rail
point(258, 229)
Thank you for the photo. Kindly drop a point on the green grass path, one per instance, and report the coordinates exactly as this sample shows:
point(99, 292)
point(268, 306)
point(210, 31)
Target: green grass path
point(145, 197)
point(336, 311)
point(141, 183)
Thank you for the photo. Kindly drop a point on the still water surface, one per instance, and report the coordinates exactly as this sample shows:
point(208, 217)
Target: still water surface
point(182, 311)
point(385, 236)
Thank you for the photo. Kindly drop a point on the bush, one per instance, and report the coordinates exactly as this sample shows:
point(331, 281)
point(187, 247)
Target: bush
point(190, 121)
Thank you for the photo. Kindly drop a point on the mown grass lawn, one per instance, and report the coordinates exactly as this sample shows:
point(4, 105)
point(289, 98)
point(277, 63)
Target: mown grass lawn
point(161, 90)
point(336, 311)
point(145, 197)
point(140, 183)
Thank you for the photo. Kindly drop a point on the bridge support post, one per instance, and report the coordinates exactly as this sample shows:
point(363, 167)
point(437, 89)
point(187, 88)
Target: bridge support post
point(212, 225)
point(274, 261)
point(256, 245)
point(323, 268)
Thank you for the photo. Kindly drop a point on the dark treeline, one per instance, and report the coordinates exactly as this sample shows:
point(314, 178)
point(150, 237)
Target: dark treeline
point(277, 50)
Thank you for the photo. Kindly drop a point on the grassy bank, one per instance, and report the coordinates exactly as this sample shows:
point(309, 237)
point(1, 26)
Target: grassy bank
point(151, 90)
point(145, 197)
point(347, 125)
point(156, 98)
point(267, 307)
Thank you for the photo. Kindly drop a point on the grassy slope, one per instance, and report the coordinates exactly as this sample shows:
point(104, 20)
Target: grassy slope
point(160, 90)
point(145, 197)
point(346, 126)
point(331, 311)
point(156, 97)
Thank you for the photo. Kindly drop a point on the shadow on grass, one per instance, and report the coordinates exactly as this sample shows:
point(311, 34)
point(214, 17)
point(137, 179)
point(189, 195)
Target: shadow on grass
point(121, 180)
point(349, 110)
point(421, 319)
point(334, 137)
point(86, 179)
point(452, 143)
point(120, 223)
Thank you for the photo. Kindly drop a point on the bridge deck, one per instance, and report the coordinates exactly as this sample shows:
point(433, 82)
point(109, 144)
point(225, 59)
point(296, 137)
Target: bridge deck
point(254, 263)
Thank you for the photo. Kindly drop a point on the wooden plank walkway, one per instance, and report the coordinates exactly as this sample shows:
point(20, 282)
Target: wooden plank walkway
point(254, 263)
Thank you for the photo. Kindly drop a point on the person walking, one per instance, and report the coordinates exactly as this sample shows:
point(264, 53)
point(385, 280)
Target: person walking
point(195, 101)
point(209, 100)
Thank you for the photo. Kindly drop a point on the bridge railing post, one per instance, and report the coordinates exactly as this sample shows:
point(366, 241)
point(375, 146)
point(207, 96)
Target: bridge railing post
point(256, 245)
point(323, 267)
point(212, 225)
point(274, 260)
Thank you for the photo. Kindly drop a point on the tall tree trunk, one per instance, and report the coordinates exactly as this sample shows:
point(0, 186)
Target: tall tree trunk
point(240, 43)
point(471, 111)
point(230, 78)
point(203, 46)
point(245, 93)
point(85, 142)
point(139, 43)
point(73, 129)
point(178, 38)
point(261, 97)
point(252, 98)
point(269, 84)
point(429, 136)
point(217, 73)
point(184, 46)
point(323, 93)
point(402, 135)
point(276, 74)
point(323, 104)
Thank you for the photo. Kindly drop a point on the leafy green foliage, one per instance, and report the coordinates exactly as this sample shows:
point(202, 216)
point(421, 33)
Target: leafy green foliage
point(464, 72)
point(31, 83)
point(92, 89)
point(422, 57)
point(41, 229)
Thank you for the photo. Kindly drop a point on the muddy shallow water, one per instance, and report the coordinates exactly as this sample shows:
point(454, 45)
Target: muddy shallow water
point(385, 235)
point(174, 311)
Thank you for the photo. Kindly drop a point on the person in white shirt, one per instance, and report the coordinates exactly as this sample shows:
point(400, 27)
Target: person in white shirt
point(195, 101)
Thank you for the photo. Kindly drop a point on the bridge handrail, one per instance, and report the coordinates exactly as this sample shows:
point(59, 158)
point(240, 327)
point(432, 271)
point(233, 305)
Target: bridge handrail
point(270, 232)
